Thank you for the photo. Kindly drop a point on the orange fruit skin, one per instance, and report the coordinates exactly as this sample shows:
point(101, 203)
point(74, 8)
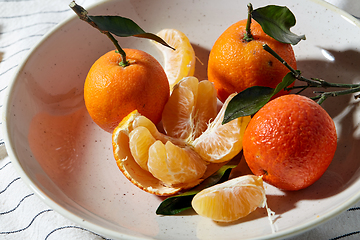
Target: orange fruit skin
point(235, 64)
point(111, 92)
point(291, 141)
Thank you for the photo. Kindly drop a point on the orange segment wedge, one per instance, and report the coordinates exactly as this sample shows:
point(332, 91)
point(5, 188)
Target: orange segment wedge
point(220, 142)
point(181, 62)
point(140, 141)
point(231, 200)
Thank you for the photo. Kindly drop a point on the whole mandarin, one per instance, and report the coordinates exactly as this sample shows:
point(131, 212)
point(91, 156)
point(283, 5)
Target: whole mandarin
point(236, 64)
point(111, 91)
point(291, 141)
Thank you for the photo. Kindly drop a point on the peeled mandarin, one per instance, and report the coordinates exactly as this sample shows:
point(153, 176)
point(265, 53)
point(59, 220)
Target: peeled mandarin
point(184, 156)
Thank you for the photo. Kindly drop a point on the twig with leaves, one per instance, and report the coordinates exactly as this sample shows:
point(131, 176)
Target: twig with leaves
point(119, 26)
point(276, 21)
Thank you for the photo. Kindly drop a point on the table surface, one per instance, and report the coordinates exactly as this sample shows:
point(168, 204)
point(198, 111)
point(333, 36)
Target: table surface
point(22, 214)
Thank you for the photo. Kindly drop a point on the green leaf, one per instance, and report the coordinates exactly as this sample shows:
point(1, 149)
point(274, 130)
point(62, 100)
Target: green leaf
point(124, 27)
point(176, 204)
point(252, 99)
point(276, 21)
point(286, 81)
point(247, 102)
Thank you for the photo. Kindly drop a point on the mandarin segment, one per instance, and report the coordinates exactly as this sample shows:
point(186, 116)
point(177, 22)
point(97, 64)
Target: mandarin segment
point(177, 115)
point(291, 141)
point(205, 109)
point(221, 142)
point(231, 200)
point(140, 140)
point(175, 165)
point(180, 63)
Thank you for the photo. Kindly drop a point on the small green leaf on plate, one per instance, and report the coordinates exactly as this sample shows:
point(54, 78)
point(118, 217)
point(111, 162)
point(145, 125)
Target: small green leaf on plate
point(124, 27)
point(276, 21)
point(176, 204)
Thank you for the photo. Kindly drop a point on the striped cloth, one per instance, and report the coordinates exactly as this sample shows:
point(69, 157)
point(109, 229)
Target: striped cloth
point(22, 214)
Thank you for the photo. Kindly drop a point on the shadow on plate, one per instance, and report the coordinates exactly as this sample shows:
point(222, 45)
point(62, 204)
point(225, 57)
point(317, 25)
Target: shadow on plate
point(202, 57)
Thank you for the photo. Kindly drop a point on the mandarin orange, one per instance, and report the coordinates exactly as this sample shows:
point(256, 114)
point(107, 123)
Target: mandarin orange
point(236, 64)
point(291, 141)
point(111, 91)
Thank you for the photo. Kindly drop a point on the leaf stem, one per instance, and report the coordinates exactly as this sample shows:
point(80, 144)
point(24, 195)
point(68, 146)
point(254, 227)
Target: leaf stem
point(302, 88)
point(316, 82)
point(277, 56)
point(83, 15)
point(325, 84)
point(324, 95)
point(248, 36)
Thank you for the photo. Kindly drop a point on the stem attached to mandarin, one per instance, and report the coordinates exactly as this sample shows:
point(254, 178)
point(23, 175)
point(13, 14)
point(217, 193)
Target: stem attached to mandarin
point(316, 82)
point(83, 15)
point(248, 36)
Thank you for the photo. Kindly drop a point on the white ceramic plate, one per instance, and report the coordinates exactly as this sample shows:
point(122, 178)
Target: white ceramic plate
point(67, 160)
